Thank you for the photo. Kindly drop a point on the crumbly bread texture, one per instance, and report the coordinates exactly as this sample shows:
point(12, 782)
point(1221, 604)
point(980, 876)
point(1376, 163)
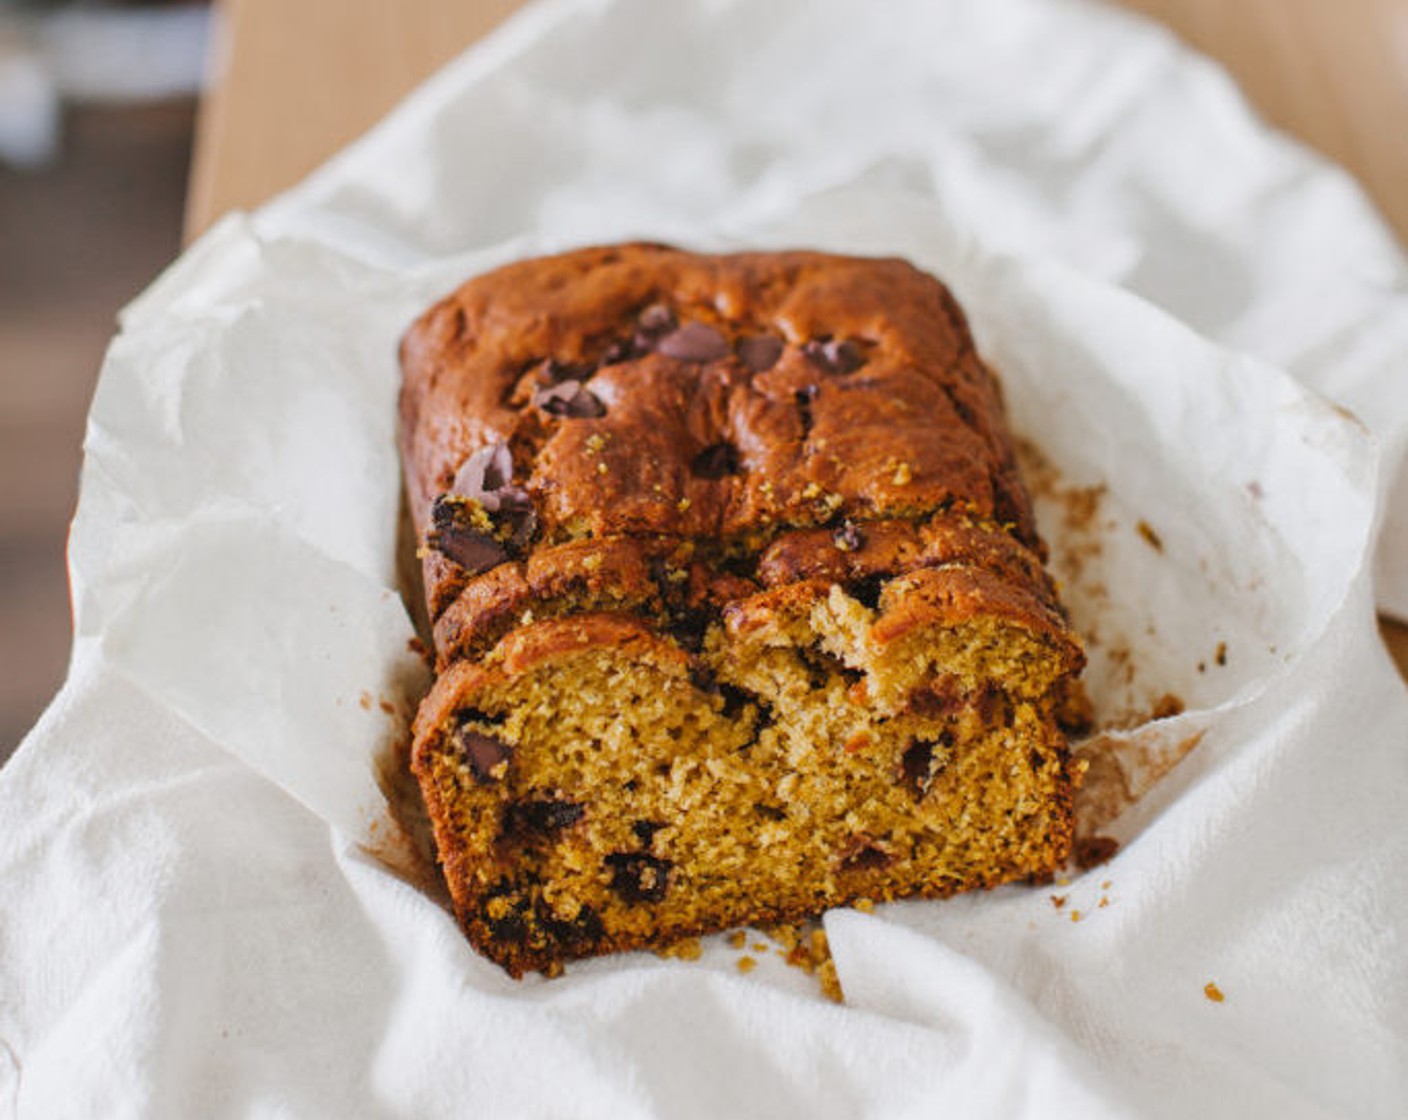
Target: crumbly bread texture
point(738, 603)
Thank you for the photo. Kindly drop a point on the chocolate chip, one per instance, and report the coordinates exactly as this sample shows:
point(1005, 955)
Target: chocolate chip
point(510, 925)
point(538, 817)
point(638, 877)
point(645, 831)
point(920, 765)
point(848, 536)
point(515, 511)
point(718, 460)
point(569, 398)
point(652, 324)
point(487, 470)
point(694, 342)
point(866, 857)
point(760, 352)
point(702, 678)
point(866, 591)
point(470, 549)
point(486, 755)
point(834, 355)
point(555, 372)
point(688, 630)
point(486, 478)
point(735, 700)
point(458, 540)
point(584, 929)
point(512, 929)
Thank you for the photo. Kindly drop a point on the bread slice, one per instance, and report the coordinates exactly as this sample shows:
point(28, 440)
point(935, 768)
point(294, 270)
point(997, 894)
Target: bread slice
point(738, 603)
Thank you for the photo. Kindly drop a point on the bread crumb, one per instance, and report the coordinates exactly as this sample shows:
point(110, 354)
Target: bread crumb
point(1058, 900)
point(830, 982)
point(601, 468)
point(1092, 851)
point(595, 442)
point(683, 504)
point(365, 701)
point(1076, 915)
point(746, 964)
point(689, 949)
point(736, 939)
point(864, 905)
point(1213, 992)
point(904, 474)
point(1167, 706)
point(1104, 902)
point(1147, 532)
point(1221, 655)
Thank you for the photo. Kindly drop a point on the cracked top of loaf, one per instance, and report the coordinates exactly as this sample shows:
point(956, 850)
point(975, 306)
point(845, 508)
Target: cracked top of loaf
point(712, 397)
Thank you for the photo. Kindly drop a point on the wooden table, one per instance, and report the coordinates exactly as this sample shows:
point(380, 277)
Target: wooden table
point(297, 79)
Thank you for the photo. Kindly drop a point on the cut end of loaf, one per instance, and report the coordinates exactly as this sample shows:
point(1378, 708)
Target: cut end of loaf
point(596, 788)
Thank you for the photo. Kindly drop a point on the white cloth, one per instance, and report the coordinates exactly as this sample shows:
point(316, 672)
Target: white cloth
point(192, 924)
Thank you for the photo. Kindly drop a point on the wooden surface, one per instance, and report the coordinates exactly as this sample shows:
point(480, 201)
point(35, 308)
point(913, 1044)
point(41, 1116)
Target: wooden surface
point(78, 239)
point(295, 80)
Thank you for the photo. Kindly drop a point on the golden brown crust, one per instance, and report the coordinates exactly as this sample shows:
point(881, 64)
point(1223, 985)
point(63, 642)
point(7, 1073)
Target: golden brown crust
point(915, 426)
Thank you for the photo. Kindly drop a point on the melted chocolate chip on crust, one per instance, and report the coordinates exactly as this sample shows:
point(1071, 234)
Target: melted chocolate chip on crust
point(488, 470)
point(760, 352)
point(486, 478)
point(694, 342)
point(833, 355)
point(569, 398)
point(455, 537)
point(555, 372)
point(638, 877)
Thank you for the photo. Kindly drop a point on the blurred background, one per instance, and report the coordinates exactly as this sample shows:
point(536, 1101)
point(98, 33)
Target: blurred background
point(97, 111)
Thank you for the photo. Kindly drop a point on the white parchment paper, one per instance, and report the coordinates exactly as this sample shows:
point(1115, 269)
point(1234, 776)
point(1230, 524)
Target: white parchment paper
point(196, 918)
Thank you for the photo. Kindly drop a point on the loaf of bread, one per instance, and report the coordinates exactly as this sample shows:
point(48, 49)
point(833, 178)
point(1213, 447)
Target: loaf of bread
point(738, 604)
